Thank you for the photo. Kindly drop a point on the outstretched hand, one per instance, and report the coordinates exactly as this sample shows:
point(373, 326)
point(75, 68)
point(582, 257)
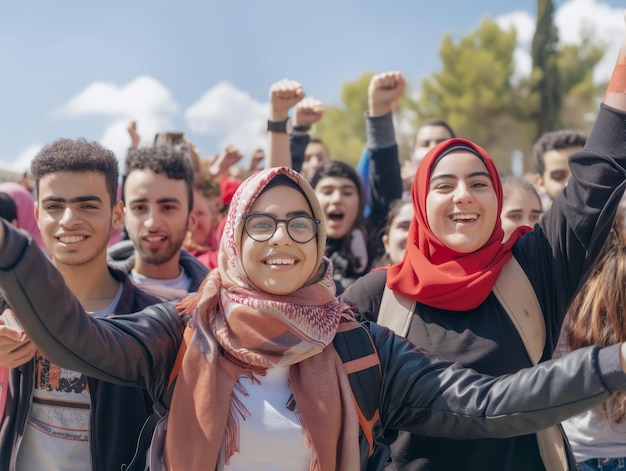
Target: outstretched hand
point(257, 156)
point(227, 158)
point(15, 350)
point(384, 92)
point(283, 95)
point(134, 136)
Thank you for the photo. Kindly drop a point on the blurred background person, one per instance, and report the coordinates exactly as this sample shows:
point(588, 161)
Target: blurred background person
point(521, 205)
point(25, 204)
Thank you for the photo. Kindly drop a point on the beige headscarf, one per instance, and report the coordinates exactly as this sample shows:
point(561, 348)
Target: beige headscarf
point(241, 330)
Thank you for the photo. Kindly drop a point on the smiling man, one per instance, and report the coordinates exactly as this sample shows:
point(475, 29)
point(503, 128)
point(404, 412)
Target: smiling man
point(57, 418)
point(158, 195)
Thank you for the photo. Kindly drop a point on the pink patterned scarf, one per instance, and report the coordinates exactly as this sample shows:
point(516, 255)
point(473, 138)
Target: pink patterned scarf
point(241, 330)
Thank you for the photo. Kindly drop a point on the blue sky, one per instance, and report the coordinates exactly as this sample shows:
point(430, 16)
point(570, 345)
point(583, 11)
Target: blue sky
point(85, 69)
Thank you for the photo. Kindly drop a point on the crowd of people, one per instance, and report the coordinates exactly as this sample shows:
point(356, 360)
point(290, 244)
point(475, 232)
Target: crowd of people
point(186, 313)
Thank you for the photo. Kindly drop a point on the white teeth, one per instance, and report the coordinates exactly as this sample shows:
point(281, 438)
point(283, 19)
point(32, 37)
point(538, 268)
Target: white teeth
point(280, 261)
point(154, 239)
point(71, 239)
point(465, 217)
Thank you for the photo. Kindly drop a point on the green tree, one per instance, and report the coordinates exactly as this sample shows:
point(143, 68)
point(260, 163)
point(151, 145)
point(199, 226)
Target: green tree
point(473, 91)
point(576, 64)
point(546, 77)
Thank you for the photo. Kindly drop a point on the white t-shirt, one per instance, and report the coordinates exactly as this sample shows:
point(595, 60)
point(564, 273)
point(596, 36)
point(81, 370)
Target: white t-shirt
point(271, 438)
point(592, 436)
point(57, 432)
point(181, 282)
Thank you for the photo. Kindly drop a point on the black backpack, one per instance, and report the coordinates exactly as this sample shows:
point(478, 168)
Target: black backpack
point(358, 353)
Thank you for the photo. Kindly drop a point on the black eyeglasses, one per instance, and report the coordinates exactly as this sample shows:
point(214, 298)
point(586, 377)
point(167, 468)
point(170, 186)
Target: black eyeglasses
point(261, 227)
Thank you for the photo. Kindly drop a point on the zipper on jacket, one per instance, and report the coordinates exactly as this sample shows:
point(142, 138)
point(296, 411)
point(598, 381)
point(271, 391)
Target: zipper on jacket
point(18, 442)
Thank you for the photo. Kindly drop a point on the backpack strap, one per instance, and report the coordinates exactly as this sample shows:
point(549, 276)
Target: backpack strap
point(358, 353)
point(160, 410)
point(517, 296)
point(396, 311)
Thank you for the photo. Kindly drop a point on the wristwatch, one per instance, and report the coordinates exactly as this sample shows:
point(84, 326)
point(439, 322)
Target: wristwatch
point(302, 128)
point(279, 126)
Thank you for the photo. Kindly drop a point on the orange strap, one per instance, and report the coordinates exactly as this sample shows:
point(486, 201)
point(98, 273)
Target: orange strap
point(181, 353)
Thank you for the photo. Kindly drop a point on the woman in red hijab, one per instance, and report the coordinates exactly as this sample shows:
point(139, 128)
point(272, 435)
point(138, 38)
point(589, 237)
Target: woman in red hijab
point(455, 254)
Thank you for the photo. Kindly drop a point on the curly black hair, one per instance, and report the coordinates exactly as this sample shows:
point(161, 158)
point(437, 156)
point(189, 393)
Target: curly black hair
point(172, 162)
point(80, 155)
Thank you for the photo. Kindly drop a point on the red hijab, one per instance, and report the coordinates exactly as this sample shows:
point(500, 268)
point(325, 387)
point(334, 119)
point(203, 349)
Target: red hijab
point(436, 275)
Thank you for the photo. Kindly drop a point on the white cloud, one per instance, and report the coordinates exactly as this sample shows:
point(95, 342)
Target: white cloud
point(571, 19)
point(231, 115)
point(523, 23)
point(607, 23)
point(144, 99)
point(22, 162)
point(143, 94)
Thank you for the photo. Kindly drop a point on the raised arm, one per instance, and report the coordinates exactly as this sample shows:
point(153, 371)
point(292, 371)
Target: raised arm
point(283, 95)
point(616, 91)
point(134, 349)
point(306, 113)
point(384, 178)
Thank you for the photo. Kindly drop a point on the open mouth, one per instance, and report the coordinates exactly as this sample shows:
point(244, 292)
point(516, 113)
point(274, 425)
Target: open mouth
point(336, 216)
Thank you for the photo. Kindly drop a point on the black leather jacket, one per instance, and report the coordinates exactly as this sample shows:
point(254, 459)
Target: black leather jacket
point(419, 393)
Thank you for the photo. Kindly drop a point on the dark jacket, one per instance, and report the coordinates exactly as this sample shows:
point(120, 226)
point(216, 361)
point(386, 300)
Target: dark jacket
point(418, 393)
point(122, 257)
point(556, 257)
point(117, 412)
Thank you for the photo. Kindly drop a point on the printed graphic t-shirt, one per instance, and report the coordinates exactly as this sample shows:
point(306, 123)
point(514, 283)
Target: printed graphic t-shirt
point(57, 432)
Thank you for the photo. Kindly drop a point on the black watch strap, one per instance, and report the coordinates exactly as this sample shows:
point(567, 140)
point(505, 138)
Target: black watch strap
point(277, 126)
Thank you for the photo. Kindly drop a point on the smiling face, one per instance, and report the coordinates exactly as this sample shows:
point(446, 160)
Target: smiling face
point(75, 217)
point(339, 198)
point(157, 219)
point(461, 205)
point(279, 265)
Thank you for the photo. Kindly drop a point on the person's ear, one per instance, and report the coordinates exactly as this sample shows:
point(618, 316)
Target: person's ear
point(36, 213)
point(192, 222)
point(538, 180)
point(385, 240)
point(117, 217)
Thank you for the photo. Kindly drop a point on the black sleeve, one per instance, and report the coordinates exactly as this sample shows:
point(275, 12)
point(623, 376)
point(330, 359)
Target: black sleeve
point(365, 294)
point(297, 144)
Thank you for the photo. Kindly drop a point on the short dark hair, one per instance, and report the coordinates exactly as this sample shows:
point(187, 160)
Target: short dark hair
point(437, 122)
point(8, 209)
point(162, 159)
point(80, 155)
point(556, 140)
